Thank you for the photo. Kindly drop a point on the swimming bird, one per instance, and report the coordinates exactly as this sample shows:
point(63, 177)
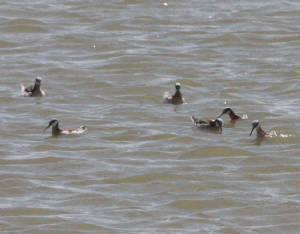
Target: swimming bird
point(175, 99)
point(233, 116)
point(260, 132)
point(58, 131)
point(33, 90)
point(210, 124)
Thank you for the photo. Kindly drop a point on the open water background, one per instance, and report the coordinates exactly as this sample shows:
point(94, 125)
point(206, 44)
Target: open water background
point(142, 167)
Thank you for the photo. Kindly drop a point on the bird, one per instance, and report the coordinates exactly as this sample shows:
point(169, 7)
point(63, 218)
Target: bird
point(210, 124)
point(58, 131)
point(260, 132)
point(33, 90)
point(175, 99)
point(233, 116)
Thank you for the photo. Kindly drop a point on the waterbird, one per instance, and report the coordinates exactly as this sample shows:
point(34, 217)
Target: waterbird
point(33, 90)
point(233, 116)
point(58, 131)
point(210, 124)
point(260, 132)
point(175, 99)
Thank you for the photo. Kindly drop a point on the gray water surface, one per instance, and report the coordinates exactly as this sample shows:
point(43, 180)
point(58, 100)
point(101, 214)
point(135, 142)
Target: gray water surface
point(142, 167)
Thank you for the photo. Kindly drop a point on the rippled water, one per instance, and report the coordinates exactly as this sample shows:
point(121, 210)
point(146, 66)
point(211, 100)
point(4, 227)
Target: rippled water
point(142, 167)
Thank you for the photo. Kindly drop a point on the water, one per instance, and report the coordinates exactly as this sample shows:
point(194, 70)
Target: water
point(142, 167)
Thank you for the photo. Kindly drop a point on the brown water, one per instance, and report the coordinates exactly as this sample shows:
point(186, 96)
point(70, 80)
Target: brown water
point(142, 167)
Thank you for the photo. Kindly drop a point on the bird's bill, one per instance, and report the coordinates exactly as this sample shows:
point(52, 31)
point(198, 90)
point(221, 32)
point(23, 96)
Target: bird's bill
point(252, 130)
point(220, 115)
point(223, 112)
point(46, 128)
point(220, 130)
point(220, 127)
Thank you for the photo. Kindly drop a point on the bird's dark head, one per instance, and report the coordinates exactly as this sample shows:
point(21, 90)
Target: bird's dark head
point(225, 111)
point(38, 81)
point(255, 124)
point(177, 86)
point(51, 123)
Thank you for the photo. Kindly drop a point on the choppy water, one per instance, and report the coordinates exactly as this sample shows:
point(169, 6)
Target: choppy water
point(142, 167)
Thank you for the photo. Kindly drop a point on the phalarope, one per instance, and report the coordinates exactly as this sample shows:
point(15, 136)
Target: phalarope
point(33, 90)
point(260, 132)
point(233, 116)
point(57, 131)
point(175, 99)
point(211, 124)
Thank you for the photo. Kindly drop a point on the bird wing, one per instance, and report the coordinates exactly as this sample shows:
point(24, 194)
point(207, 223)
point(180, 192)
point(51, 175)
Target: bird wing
point(212, 123)
point(29, 89)
point(79, 130)
point(198, 121)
